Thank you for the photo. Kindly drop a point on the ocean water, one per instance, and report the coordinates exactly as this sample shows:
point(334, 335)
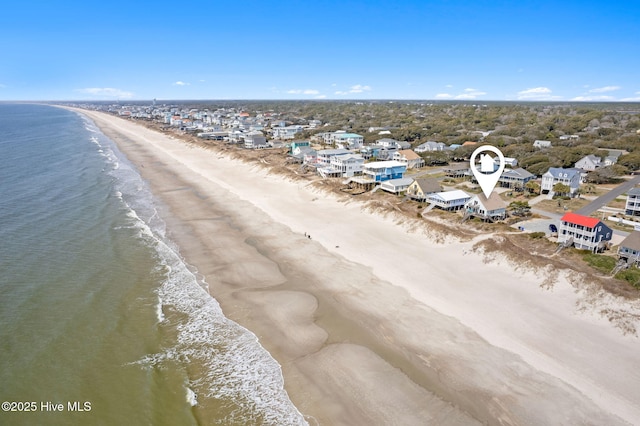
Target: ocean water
point(101, 320)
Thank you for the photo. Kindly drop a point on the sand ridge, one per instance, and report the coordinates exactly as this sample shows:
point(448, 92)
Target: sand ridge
point(373, 324)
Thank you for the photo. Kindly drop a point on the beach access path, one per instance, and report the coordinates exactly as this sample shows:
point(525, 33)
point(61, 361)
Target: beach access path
point(373, 321)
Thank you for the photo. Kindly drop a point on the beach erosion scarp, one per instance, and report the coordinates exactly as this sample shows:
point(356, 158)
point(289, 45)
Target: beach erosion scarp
point(371, 323)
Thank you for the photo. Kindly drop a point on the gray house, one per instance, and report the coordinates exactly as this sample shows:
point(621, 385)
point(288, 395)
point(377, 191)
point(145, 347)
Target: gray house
point(569, 177)
point(629, 248)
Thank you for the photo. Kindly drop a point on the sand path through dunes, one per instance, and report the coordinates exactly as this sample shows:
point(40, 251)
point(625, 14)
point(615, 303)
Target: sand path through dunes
point(375, 325)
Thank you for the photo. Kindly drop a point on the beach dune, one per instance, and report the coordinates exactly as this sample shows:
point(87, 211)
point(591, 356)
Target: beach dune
point(372, 323)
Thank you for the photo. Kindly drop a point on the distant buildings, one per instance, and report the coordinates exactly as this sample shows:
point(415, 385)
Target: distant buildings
point(541, 144)
point(430, 146)
point(286, 132)
point(589, 163)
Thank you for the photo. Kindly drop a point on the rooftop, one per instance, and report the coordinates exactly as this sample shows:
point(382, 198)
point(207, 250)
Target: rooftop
point(632, 241)
point(577, 219)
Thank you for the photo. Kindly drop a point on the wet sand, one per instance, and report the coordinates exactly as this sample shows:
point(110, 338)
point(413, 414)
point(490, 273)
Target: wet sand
point(371, 323)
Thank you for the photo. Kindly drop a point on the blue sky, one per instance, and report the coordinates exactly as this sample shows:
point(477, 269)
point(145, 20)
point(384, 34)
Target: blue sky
point(379, 49)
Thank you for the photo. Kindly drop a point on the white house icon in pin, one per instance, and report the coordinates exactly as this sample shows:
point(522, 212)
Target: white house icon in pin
point(487, 165)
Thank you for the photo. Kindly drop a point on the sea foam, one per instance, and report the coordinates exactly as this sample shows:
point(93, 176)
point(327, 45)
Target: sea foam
point(234, 370)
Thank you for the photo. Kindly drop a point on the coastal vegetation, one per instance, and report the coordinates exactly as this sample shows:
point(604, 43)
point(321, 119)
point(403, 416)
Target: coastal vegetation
point(573, 130)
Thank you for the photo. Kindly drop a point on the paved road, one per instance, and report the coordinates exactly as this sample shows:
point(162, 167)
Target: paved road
point(609, 196)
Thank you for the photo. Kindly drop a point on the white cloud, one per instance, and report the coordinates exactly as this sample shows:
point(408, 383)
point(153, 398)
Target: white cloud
point(537, 94)
point(605, 89)
point(467, 93)
point(358, 88)
point(637, 99)
point(106, 92)
point(593, 98)
point(181, 83)
point(470, 94)
point(303, 92)
point(449, 86)
point(321, 97)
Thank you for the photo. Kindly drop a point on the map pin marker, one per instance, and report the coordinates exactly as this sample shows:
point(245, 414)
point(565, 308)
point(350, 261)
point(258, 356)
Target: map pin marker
point(487, 177)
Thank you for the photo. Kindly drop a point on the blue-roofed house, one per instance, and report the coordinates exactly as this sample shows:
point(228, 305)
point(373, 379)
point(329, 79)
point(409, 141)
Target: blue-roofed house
point(380, 171)
point(569, 177)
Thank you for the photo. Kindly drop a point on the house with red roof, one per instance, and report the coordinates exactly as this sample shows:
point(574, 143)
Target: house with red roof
point(585, 232)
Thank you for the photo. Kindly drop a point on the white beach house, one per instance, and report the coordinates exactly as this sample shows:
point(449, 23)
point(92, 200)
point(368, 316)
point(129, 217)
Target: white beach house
point(492, 208)
point(449, 200)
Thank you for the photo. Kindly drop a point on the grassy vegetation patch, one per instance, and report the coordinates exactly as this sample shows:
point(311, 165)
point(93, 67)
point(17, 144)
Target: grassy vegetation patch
point(600, 262)
point(632, 276)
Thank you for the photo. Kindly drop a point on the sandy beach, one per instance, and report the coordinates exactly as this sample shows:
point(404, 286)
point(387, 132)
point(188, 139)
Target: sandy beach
point(374, 322)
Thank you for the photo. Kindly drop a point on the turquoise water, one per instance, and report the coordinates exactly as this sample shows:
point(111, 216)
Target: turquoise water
point(97, 309)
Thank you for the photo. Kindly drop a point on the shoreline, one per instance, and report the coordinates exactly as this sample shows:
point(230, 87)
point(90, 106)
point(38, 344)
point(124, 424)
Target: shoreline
point(371, 323)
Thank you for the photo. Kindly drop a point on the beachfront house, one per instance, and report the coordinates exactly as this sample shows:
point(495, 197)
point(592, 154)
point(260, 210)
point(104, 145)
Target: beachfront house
point(515, 178)
point(632, 206)
point(347, 165)
point(420, 189)
point(569, 177)
point(449, 200)
point(380, 171)
point(491, 209)
point(584, 232)
point(324, 156)
point(305, 155)
point(396, 186)
point(255, 140)
point(541, 144)
point(410, 158)
point(629, 248)
point(588, 163)
point(296, 145)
